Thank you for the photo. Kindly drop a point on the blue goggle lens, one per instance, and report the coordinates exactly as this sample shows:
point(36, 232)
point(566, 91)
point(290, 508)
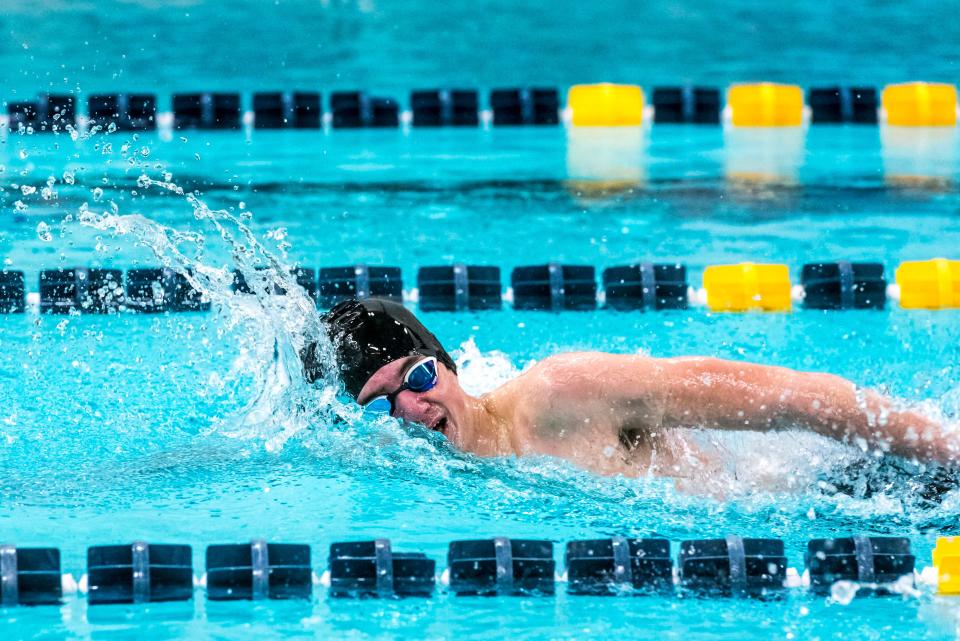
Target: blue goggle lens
point(379, 405)
point(422, 377)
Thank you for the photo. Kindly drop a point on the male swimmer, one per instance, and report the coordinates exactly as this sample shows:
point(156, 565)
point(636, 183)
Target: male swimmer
point(612, 414)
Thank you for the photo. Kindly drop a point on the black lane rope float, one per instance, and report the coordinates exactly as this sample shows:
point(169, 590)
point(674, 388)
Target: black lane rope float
point(839, 285)
point(602, 104)
point(732, 567)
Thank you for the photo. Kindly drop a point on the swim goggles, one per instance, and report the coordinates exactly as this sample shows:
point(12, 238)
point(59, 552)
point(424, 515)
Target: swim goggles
point(420, 378)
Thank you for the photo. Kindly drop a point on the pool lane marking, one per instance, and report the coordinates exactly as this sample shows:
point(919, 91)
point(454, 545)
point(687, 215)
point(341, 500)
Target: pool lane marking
point(384, 559)
point(738, 565)
point(846, 284)
point(648, 286)
point(9, 589)
point(622, 569)
point(461, 287)
point(863, 548)
point(504, 554)
point(140, 565)
point(260, 566)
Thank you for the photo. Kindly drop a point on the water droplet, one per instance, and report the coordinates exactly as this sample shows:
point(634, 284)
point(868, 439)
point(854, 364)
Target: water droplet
point(145, 151)
point(68, 177)
point(20, 206)
point(23, 154)
point(97, 194)
point(28, 189)
point(43, 232)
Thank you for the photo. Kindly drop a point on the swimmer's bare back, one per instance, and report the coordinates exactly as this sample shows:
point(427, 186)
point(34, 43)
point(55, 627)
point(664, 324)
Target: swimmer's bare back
point(617, 414)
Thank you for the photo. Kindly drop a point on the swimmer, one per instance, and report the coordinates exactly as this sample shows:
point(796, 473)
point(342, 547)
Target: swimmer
point(612, 414)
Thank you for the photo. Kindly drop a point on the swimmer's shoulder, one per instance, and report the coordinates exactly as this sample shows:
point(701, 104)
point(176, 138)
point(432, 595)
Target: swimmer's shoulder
point(574, 375)
point(570, 378)
point(536, 388)
point(574, 368)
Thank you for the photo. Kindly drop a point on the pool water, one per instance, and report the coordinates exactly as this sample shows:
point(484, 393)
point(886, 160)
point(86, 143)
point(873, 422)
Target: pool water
point(184, 428)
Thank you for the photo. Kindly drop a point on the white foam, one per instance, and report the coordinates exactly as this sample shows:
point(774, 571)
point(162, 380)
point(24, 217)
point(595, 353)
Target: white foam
point(481, 372)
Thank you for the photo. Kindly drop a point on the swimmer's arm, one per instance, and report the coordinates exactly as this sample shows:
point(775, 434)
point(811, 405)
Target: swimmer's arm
point(720, 394)
point(714, 393)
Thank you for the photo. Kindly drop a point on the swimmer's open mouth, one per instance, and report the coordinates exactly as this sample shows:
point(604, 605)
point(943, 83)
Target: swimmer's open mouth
point(440, 426)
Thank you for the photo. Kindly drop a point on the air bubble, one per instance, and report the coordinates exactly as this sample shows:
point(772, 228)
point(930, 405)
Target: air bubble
point(43, 232)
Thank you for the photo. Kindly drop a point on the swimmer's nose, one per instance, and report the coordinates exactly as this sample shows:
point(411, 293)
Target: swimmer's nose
point(411, 406)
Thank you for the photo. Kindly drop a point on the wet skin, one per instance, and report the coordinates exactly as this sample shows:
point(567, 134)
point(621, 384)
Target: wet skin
point(626, 414)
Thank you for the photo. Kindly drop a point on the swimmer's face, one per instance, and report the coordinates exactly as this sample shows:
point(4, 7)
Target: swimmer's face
point(434, 409)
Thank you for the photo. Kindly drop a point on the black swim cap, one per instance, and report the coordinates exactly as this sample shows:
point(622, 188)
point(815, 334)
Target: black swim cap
point(366, 335)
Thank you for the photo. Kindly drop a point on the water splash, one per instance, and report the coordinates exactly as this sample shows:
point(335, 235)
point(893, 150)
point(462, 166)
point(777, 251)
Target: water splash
point(270, 329)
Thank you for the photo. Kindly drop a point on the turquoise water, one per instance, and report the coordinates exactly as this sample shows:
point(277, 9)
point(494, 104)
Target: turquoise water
point(181, 429)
